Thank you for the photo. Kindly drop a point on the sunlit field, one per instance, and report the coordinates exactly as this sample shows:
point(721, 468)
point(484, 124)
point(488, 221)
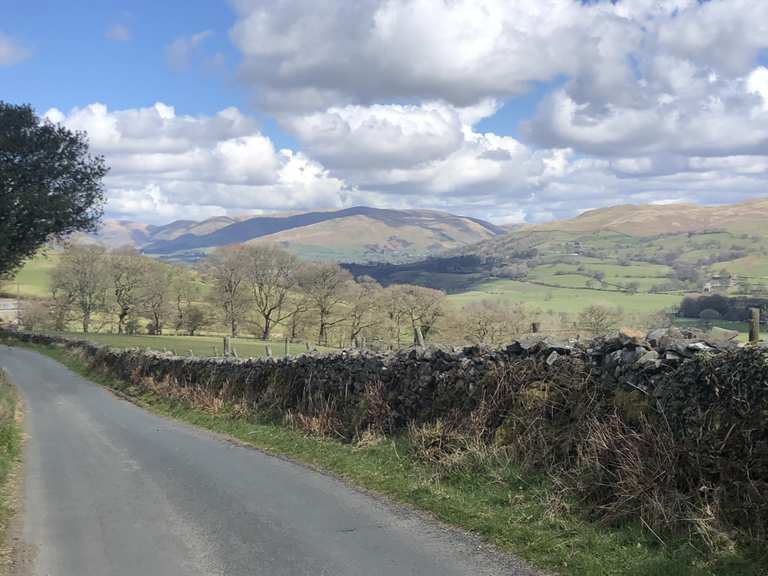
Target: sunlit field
point(195, 345)
point(571, 300)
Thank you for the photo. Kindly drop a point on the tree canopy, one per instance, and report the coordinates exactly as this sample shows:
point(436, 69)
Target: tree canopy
point(50, 184)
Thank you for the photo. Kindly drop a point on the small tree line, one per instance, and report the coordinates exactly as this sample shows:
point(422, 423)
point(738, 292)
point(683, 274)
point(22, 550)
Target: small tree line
point(268, 292)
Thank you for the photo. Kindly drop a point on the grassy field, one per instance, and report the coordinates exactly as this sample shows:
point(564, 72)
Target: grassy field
point(32, 278)
point(501, 503)
point(752, 266)
point(198, 345)
point(571, 300)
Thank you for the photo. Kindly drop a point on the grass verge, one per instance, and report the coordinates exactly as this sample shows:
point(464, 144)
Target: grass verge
point(10, 452)
point(515, 510)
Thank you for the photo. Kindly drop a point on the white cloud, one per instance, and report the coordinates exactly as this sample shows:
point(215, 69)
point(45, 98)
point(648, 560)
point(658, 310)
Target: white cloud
point(166, 166)
point(686, 84)
point(118, 33)
point(11, 52)
point(179, 53)
point(379, 135)
point(313, 55)
point(757, 83)
point(646, 101)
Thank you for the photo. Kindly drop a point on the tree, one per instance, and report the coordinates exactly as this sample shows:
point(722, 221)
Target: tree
point(225, 266)
point(50, 186)
point(363, 300)
point(195, 318)
point(184, 291)
point(599, 320)
point(389, 302)
point(745, 286)
point(35, 315)
point(127, 273)
point(491, 322)
point(156, 294)
point(271, 273)
point(421, 306)
point(79, 278)
point(325, 286)
point(709, 315)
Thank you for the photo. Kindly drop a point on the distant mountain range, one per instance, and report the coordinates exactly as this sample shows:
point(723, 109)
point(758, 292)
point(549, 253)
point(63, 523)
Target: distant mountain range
point(358, 234)
point(664, 247)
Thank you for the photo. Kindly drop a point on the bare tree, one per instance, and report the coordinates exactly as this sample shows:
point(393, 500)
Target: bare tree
point(185, 290)
point(493, 322)
point(271, 273)
point(156, 294)
point(599, 320)
point(389, 303)
point(80, 279)
point(62, 299)
point(422, 307)
point(126, 270)
point(298, 305)
point(35, 315)
point(226, 268)
point(363, 298)
point(325, 286)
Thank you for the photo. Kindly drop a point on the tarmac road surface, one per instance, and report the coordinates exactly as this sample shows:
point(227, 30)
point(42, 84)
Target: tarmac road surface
point(112, 490)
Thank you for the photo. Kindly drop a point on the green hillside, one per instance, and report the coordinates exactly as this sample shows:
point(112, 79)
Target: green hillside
point(32, 280)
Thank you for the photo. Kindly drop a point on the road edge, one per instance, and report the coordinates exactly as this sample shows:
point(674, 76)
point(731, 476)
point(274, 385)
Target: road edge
point(15, 555)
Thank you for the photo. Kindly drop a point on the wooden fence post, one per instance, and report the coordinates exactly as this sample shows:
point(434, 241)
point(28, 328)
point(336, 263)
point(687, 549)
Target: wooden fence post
point(754, 326)
point(535, 326)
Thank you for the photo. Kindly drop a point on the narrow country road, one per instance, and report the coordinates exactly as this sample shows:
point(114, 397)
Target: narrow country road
point(111, 490)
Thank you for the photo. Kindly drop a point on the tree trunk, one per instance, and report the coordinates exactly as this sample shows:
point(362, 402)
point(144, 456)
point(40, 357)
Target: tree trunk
point(86, 322)
point(267, 328)
point(322, 336)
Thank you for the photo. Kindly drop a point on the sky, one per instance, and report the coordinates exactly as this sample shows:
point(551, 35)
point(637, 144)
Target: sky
point(508, 110)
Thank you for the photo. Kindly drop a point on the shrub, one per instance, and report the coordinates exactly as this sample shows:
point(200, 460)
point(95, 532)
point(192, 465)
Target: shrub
point(710, 314)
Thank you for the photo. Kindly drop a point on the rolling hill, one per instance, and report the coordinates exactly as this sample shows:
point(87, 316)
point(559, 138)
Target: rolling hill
point(358, 234)
point(656, 219)
point(644, 257)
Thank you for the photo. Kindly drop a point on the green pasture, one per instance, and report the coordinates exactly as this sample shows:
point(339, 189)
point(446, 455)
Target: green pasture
point(741, 327)
point(753, 266)
point(199, 345)
point(33, 279)
point(571, 300)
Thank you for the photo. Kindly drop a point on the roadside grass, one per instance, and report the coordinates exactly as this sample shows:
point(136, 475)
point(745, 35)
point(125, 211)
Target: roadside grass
point(10, 452)
point(201, 346)
point(515, 510)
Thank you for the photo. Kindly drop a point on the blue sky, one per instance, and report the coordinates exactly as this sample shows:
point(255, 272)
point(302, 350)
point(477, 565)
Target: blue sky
point(73, 62)
point(511, 110)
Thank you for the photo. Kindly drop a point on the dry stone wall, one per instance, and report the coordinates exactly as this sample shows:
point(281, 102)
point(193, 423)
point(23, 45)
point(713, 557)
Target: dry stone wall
point(657, 426)
point(417, 385)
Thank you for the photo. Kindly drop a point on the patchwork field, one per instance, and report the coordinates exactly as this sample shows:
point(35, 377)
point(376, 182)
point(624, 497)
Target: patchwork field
point(571, 300)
